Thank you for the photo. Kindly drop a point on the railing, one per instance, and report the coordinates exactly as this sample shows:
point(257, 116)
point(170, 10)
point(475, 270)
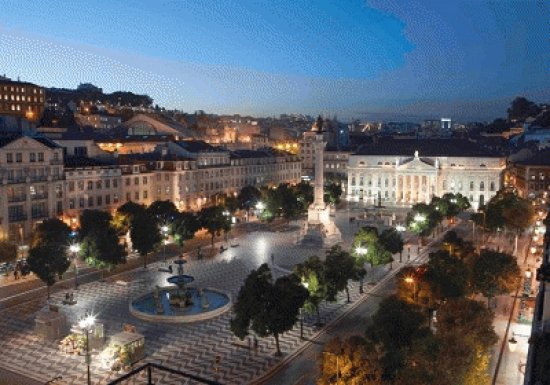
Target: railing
point(40, 214)
point(39, 196)
point(144, 375)
point(17, 198)
point(17, 217)
point(22, 179)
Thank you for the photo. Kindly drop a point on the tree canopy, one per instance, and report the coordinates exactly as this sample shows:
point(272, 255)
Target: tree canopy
point(145, 234)
point(340, 267)
point(267, 307)
point(8, 251)
point(494, 273)
point(313, 276)
point(213, 219)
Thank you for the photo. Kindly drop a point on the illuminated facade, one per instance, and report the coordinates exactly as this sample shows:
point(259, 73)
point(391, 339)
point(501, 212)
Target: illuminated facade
point(21, 99)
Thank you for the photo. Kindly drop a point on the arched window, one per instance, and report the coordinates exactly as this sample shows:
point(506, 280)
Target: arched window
point(471, 185)
point(481, 186)
point(492, 186)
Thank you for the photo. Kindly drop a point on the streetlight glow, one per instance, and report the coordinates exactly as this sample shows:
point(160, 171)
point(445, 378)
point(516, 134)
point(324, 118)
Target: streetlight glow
point(409, 279)
point(87, 322)
point(419, 218)
point(164, 228)
point(260, 205)
point(361, 250)
point(74, 248)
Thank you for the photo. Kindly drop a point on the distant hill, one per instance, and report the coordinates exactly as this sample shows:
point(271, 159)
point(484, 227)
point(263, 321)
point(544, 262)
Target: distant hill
point(88, 92)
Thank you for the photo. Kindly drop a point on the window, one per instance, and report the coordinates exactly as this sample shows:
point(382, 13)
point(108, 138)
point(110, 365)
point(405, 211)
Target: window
point(145, 194)
point(99, 200)
point(32, 157)
point(55, 156)
point(80, 185)
point(115, 198)
point(136, 195)
point(107, 199)
point(18, 157)
point(471, 186)
point(128, 197)
point(40, 156)
point(127, 181)
point(9, 157)
point(136, 181)
point(167, 177)
point(90, 185)
point(115, 183)
point(98, 184)
point(81, 203)
point(71, 203)
point(90, 201)
point(481, 186)
point(144, 180)
point(492, 186)
point(107, 183)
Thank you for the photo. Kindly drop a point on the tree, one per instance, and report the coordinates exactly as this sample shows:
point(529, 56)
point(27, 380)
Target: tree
point(313, 277)
point(8, 251)
point(446, 275)
point(357, 364)
point(267, 308)
point(493, 273)
point(290, 201)
point(99, 240)
point(145, 234)
point(367, 248)
point(231, 204)
point(48, 260)
point(214, 220)
point(394, 328)
point(333, 192)
point(339, 269)
point(422, 219)
point(392, 241)
point(124, 214)
point(163, 212)
point(51, 230)
point(450, 205)
point(184, 227)
point(248, 197)
point(304, 194)
point(522, 108)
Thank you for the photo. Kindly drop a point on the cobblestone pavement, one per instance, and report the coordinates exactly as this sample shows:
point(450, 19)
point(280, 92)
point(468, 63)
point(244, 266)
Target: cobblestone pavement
point(187, 347)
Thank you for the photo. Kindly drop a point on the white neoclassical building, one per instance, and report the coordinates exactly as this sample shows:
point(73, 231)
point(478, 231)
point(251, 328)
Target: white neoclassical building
point(401, 172)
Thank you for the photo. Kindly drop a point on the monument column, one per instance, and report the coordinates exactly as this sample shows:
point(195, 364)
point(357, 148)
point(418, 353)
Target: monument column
point(318, 192)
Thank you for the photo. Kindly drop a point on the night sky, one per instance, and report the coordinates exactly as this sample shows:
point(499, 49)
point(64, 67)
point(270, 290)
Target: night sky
point(378, 59)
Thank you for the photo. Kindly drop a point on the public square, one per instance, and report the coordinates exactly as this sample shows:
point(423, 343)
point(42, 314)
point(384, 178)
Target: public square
point(188, 347)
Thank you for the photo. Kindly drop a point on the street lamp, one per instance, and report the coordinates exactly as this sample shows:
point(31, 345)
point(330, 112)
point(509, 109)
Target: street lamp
point(164, 230)
point(306, 285)
point(337, 355)
point(411, 280)
point(86, 324)
point(75, 249)
point(361, 251)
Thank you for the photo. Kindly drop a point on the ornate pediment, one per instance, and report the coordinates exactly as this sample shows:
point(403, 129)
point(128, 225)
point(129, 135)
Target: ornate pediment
point(416, 163)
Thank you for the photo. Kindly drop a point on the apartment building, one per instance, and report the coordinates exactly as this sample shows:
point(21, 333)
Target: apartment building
point(90, 184)
point(31, 170)
point(21, 99)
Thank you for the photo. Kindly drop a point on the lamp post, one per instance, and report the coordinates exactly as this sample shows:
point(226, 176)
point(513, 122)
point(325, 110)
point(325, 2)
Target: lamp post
point(337, 355)
point(306, 285)
point(86, 324)
point(411, 280)
point(361, 251)
point(164, 230)
point(74, 249)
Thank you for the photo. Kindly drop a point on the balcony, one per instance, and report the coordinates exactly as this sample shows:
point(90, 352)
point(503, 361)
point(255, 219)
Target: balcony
point(18, 217)
point(17, 180)
point(35, 197)
point(39, 215)
point(17, 198)
point(39, 178)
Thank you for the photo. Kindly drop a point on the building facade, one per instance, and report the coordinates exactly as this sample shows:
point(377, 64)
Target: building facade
point(21, 99)
point(404, 172)
point(530, 177)
point(32, 185)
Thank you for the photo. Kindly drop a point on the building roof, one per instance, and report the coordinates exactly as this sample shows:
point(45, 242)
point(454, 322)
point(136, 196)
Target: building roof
point(540, 158)
point(16, 82)
point(82, 161)
point(7, 139)
point(264, 152)
point(427, 147)
point(198, 146)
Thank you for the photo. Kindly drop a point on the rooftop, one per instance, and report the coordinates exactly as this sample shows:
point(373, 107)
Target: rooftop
point(427, 147)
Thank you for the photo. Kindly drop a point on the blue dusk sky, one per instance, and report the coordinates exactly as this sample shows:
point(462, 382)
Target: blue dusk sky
point(376, 59)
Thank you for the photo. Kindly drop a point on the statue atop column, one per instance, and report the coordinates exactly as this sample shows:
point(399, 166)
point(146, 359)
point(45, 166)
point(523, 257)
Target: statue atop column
point(320, 227)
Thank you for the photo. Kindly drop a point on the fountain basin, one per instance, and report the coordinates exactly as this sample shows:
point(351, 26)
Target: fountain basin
point(144, 307)
point(180, 279)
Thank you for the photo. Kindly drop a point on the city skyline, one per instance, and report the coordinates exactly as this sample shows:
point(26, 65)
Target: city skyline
point(373, 60)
